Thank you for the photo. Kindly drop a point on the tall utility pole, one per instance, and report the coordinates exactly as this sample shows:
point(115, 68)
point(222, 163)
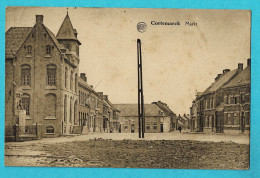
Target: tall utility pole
point(141, 121)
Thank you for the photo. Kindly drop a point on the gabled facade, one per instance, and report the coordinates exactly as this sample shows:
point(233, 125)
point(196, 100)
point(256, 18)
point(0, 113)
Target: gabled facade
point(168, 112)
point(45, 72)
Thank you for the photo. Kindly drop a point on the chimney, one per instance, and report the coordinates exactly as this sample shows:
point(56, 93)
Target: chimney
point(217, 77)
point(240, 66)
point(105, 97)
point(100, 94)
point(248, 62)
point(39, 19)
point(83, 76)
point(226, 70)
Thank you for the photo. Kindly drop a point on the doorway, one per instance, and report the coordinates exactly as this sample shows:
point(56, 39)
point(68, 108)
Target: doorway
point(161, 128)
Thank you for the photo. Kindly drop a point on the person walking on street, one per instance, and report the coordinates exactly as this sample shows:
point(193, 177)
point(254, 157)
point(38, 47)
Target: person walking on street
point(179, 128)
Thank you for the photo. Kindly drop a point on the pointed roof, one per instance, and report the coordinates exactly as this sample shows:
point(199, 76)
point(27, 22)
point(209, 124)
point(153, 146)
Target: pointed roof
point(66, 31)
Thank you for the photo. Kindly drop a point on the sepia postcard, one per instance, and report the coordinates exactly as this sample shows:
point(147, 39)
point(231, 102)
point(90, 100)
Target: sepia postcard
point(127, 88)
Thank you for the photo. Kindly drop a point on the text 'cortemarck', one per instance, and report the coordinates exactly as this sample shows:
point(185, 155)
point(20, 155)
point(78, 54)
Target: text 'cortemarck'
point(165, 23)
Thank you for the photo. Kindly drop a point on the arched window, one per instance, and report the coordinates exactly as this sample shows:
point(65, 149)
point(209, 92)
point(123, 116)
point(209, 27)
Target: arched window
point(66, 78)
point(65, 108)
point(71, 80)
point(26, 103)
point(76, 82)
point(79, 98)
point(50, 107)
point(49, 129)
point(75, 112)
point(71, 107)
point(25, 75)
point(51, 75)
point(48, 49)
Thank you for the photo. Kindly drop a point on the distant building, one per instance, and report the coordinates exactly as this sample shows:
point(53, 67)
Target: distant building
point(110, 116)
point(167, 111)
point(183, 121)
point(214, 110)
point(156, 120)
point(90, 107)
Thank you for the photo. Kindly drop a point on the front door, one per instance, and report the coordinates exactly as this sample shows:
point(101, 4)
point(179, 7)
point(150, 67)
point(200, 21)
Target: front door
point(219, 122)
point(161, 127)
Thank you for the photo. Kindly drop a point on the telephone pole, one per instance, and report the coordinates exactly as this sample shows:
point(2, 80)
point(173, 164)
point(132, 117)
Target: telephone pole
point(141, 120)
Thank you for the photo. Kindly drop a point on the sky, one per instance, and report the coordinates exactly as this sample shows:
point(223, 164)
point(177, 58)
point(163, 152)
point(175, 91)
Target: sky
point(177, 60)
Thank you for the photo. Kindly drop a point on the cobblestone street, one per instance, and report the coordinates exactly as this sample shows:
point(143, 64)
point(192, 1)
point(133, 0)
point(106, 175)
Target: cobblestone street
point(120, 150)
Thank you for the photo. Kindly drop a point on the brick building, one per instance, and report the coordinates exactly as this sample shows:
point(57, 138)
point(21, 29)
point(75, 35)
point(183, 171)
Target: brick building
point(237, 103)
point(90, 107)
point(155, 119)
point(210, 109)
point(44, 70)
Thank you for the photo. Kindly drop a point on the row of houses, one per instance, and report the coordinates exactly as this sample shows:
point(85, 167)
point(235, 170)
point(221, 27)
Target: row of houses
point(224, 107)
point(158, 118)
point(46, 96)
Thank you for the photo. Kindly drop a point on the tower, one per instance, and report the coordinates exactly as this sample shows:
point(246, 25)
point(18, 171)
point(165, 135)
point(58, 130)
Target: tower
point(67, 36)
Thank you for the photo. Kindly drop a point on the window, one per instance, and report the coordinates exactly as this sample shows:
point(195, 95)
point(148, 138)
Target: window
point(75, 112)
point(76, 82)
point(226, 118)
point(29, 50)
point(242, 97)
point(71, 107)
point(66, 78)
point(126, 127)
point(65, 108)
point(147, 126)
point(50, 108)
point(236, 100)
point(49, 129)
point(154, 126)
point(77, 50)
point(67, 46)
point(71, 80)
point(48, 49)
point(26, 103)
point(228, 99)
point(229, 119)
point(25, 75)
point(51, 75)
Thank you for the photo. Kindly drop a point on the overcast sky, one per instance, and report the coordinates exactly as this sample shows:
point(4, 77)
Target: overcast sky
point(177, 60)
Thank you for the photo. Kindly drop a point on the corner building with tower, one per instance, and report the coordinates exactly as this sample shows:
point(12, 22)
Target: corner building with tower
point(42, 87)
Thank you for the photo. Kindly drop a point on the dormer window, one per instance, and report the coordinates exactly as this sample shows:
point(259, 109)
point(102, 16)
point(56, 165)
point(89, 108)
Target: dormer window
point(29, 50)
point(48, 49)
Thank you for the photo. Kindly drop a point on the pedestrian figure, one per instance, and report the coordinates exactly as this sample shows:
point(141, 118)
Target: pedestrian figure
point(179, 128)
